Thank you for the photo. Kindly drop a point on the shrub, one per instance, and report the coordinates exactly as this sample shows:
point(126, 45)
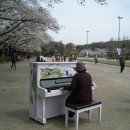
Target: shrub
point(4, 59)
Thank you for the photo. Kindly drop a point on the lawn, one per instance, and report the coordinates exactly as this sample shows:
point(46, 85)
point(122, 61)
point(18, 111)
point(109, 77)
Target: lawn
point(104, 61)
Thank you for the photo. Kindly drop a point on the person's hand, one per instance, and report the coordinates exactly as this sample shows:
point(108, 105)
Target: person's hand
point(62, 89)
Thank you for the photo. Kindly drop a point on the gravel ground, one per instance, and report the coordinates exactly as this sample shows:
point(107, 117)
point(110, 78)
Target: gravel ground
point(113, 90)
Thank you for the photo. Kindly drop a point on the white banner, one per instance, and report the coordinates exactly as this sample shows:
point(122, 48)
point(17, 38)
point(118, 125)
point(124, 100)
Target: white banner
point(118, 51)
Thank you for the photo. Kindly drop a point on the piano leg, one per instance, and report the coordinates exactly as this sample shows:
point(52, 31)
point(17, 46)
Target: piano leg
point(40, 110)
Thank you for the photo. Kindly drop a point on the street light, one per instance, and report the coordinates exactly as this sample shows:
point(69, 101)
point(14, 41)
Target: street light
point(87, 36)
point(119, 27)
point(87, 44)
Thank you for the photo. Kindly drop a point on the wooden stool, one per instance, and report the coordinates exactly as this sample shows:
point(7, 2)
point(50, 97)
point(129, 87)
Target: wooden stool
point(82, 108)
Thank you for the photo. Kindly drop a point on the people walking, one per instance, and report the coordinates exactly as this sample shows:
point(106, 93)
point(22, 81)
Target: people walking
point(38, 58)
point(122, 63)
point(28, 57)
point(95, 59)
point(13, 60)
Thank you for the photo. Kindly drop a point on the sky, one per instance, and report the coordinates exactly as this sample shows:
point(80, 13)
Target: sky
point(100, 20)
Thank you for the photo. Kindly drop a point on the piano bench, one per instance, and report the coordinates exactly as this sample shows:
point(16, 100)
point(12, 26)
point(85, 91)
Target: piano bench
point(82, 108)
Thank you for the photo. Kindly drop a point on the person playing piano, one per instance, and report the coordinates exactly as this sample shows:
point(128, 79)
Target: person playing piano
point(81, 87)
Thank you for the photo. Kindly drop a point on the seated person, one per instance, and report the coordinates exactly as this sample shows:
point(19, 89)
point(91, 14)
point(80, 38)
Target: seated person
point(81, 87)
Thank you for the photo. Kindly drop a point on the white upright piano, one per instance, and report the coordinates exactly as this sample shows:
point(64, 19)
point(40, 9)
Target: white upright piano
point(45, 98)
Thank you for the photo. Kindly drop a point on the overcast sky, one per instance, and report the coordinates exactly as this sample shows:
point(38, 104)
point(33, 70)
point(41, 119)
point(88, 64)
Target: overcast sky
point(100, 20)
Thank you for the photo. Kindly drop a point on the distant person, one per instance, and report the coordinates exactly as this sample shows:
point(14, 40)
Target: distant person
point(38, 58)
point(81, 87)
point(71, 58)
point(13, 60)
point(122, 63)
point(28, 57)
point(53, 59)
point(95, 59)
point(41, 60)
point(64, 58)
point(75, 57)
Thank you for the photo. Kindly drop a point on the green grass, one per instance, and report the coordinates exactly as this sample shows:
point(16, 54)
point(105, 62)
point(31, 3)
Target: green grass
point(4, 59)
point(110, 62)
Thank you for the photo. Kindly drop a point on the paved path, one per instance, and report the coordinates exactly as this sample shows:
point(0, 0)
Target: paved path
point(113, 90)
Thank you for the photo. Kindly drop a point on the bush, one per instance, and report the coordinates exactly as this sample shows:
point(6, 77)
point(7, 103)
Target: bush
point(4, 59)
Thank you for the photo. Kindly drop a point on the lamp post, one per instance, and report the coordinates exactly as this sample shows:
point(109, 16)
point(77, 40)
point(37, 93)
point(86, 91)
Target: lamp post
point(87, 44)
point(119, 28)
point(87, 36)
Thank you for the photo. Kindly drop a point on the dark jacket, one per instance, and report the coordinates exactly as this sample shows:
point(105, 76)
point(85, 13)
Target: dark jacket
point(122, 61)
point(81, 89)
point(13, 58)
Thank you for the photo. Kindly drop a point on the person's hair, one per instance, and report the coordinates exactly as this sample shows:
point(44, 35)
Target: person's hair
point(80, 71)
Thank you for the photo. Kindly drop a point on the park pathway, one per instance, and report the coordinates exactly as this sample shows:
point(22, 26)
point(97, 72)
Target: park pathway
point(113, 90)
